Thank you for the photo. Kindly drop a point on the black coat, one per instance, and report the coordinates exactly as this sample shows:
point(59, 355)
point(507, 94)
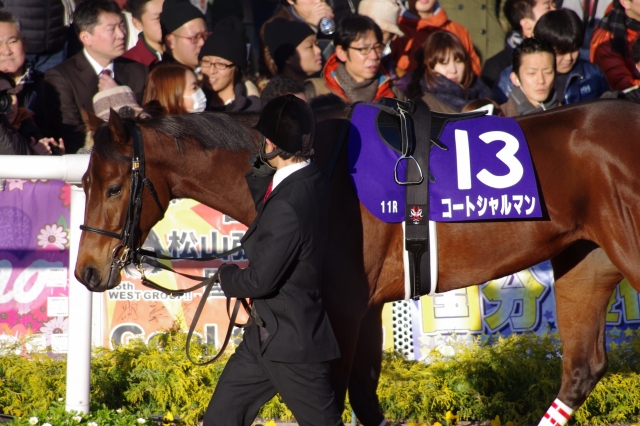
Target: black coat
point(41, 22)
point(71, 85)
point(32, 97)
point(285, 246)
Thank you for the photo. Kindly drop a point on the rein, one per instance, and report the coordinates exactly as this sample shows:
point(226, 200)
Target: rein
point(128, 252)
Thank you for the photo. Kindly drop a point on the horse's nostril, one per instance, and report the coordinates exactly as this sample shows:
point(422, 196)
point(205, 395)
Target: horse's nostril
point(91, 277)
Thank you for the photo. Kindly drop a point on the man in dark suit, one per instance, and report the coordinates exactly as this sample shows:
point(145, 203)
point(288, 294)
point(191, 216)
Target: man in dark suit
point(70, 86)
point(289, 343)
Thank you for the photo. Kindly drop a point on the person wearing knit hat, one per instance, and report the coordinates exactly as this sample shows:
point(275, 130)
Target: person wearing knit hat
point(184, 31)
point(223, 58)
point(293, 50)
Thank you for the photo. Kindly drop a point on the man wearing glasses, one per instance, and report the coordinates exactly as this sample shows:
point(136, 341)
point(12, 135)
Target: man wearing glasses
point(354, 72)
point(184, 32)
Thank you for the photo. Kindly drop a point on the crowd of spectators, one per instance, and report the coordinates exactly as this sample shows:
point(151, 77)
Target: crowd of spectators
point(63, 59)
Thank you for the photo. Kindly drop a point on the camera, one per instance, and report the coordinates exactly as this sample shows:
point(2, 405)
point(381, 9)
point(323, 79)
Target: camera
point(5, 102)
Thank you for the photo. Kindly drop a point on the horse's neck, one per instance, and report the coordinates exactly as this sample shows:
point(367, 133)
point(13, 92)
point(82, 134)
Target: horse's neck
point(215, 178)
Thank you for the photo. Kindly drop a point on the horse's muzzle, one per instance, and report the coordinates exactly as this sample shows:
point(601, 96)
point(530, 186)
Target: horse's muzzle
point(93, 281)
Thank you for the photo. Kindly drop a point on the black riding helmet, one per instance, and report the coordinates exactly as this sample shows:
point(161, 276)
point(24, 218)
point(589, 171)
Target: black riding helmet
point(289, 123)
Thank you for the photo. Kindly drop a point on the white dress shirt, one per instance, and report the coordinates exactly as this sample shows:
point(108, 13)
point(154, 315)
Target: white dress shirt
point(96, 66)
point(283, 173)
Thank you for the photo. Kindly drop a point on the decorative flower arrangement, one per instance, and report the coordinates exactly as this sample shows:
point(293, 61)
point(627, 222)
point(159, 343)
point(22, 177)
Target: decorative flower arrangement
point(53, 235)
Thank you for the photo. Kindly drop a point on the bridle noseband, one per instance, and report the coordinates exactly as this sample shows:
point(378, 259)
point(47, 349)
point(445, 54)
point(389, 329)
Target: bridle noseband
point(128, 251)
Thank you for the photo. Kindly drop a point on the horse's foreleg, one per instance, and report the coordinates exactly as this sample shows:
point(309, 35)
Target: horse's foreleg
point(585, 279)
point(365, 373)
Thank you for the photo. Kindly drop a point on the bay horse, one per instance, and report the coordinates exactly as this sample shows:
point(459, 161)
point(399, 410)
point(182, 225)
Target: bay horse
point(586, 161)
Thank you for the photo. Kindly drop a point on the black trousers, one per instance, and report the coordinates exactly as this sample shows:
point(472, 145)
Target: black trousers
point(249, 381)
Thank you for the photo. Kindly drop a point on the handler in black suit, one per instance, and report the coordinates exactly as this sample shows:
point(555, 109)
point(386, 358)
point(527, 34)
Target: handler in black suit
point(71, 85)
point(289, 343)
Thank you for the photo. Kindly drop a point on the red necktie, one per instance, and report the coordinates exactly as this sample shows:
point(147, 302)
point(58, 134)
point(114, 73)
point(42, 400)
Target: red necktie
point(266, 194)
point(106, 72)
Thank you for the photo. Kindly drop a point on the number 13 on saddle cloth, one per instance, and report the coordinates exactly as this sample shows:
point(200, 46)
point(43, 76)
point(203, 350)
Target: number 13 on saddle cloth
point(486, 173)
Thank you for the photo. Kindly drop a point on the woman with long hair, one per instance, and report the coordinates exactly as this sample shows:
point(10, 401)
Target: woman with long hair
point(174, 89)
point(445, 73)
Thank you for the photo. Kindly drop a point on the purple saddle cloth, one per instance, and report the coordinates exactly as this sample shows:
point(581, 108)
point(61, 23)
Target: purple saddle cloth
point(486, 173)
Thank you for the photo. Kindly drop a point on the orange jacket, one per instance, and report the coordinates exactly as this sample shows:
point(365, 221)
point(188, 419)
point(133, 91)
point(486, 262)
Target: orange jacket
point(416, 32)
point(384, 84)
point(620, 72)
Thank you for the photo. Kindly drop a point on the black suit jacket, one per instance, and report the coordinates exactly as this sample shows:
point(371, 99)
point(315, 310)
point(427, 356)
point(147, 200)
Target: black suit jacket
point(71, 85)
point(285, 246)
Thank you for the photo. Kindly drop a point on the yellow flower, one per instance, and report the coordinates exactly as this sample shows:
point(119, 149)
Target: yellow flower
point(509, 423)
point(496, 421)
point(168, 418)
point(270, 423)
point(451, 418)
point(437, 424)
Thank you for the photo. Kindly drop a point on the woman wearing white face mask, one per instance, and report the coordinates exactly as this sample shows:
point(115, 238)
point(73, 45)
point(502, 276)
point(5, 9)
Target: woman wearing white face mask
point(173, 88)
point(223, 57)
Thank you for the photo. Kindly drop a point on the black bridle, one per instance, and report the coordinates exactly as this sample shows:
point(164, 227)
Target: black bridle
point(128, 251)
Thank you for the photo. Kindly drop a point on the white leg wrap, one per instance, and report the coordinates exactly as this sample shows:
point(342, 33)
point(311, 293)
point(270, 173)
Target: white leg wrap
point(385, 422)
point(557, 415)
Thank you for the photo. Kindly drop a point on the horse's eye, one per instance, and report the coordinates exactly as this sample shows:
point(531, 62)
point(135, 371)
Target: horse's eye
point(113, 191)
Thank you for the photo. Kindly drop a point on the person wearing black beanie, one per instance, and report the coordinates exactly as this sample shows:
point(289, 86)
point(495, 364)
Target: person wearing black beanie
point(293, 50)
point(223, 58)
point(184, 32)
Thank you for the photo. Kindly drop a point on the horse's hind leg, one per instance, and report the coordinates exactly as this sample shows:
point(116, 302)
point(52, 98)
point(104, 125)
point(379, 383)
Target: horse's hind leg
point(365, 371)
point(585, 279)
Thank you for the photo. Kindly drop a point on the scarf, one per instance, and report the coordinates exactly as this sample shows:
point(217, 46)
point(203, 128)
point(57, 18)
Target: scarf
point(617, 23)
point(363, 91)
point(524, 107)
point(454, 95)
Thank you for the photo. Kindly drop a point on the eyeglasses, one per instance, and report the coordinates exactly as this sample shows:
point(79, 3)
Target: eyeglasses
point(194, 39)
point(364, 51)
point(217, 65)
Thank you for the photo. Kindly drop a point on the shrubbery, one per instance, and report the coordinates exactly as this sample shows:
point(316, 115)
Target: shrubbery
point(515, 378)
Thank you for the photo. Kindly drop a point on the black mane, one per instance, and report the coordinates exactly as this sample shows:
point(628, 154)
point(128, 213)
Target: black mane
point(210, 130)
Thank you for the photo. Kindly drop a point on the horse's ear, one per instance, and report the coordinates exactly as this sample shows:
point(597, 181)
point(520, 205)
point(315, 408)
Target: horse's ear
point(91, 121)
point(117, 128)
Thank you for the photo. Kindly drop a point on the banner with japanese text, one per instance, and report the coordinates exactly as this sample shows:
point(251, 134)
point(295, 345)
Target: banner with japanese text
point(522, 302)
point(189, 230)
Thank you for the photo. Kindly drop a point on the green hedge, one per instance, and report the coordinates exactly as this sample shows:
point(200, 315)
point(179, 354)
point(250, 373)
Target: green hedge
point(515, 378)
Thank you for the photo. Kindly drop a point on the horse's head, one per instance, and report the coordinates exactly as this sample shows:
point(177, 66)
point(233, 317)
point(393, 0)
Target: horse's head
point(107, 185)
